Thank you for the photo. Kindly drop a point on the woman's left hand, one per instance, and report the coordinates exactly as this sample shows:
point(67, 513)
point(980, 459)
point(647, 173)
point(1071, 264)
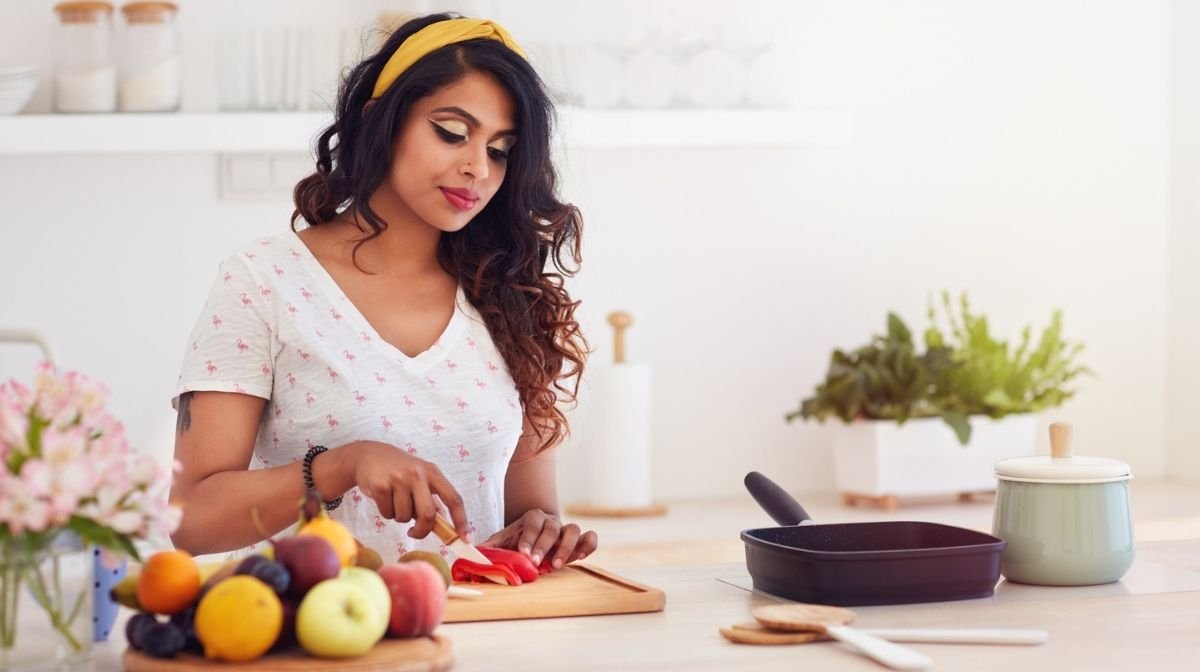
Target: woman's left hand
point(541, 535)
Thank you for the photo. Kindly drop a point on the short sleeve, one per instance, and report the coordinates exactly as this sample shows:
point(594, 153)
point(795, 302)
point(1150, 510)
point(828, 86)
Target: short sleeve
point(231, 347)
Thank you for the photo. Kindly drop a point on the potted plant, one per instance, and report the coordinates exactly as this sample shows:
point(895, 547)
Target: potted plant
point(935, 421)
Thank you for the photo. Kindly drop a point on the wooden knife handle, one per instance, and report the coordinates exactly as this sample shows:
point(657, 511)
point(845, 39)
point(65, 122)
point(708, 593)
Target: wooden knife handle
point(444, 529)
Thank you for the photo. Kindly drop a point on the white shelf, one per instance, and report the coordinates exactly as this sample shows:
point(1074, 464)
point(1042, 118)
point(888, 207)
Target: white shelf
point(262, 132)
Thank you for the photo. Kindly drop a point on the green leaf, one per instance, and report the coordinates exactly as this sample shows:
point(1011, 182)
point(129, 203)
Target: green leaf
point(959, 423)
point(91, 531)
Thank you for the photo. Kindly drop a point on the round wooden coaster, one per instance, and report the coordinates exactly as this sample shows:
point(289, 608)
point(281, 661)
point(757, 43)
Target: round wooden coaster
point(422, 654)
point(592, 511)
point(802, 617)
point(753, 633)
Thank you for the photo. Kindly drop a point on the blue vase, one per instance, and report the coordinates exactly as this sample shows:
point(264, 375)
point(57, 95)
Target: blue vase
point(109, 569)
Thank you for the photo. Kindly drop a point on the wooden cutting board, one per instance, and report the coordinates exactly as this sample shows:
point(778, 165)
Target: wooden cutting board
point(423, 654)
point(575, 590)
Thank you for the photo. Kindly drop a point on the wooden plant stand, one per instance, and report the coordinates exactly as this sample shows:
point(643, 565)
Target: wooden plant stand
point(892, 502)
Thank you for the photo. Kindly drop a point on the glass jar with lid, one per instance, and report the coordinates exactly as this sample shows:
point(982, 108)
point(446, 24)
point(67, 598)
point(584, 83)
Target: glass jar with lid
point(85, 76)
point(150, 71)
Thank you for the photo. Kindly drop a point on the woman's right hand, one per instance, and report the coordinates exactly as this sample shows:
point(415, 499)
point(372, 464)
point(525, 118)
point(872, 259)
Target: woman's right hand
point(403, 487)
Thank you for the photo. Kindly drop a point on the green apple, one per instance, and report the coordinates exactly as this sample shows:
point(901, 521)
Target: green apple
point(339, 619)
point(370, 581)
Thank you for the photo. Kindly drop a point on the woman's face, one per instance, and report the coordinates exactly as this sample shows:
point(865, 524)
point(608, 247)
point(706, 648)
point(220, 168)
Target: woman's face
point(450, 157)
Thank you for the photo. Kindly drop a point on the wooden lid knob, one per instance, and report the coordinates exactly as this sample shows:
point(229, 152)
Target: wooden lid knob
point(620, 321)
point(1060, 439)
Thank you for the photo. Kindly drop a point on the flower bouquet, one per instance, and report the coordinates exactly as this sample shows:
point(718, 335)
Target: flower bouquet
point(68, 480)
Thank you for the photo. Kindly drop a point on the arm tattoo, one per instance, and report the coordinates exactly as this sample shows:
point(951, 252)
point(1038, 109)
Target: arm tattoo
point(184, 420)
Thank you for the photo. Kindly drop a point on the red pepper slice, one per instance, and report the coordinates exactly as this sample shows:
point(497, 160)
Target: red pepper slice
point(518, 562)
point(465, 570)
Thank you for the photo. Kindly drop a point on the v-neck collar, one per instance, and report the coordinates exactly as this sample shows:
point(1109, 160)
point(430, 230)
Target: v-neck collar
point(337, 297)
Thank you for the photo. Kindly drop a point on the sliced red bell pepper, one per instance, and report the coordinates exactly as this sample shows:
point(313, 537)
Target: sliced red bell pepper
point(514, 560)
point(465, 570)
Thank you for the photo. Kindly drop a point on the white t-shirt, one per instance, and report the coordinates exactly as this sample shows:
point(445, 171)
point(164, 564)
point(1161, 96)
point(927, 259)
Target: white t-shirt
point(277, 326)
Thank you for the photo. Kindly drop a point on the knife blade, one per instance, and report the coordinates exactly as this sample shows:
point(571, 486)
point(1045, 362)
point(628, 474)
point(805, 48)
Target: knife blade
point(445, 531)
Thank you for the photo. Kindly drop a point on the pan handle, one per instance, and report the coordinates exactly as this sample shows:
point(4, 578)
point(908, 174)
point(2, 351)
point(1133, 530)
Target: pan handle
point(778, 504)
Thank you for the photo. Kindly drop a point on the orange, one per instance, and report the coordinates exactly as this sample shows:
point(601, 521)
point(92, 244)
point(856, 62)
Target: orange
point(169, 582)
point(337, 535)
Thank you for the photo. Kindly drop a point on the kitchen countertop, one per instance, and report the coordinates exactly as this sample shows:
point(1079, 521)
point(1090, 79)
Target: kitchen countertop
point(1149, 620)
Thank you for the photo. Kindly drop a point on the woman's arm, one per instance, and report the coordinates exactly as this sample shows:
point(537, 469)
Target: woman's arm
point(531, 508)
point(214, 442)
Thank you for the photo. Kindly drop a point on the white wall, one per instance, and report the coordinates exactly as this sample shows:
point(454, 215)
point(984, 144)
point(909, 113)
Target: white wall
point(1017, 151)
point(1183, 245)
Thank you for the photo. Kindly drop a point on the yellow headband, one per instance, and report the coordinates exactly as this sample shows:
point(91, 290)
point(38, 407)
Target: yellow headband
point(435, 36)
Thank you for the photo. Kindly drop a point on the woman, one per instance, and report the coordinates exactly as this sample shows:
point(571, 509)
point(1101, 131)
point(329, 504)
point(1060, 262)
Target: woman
point(409, 345)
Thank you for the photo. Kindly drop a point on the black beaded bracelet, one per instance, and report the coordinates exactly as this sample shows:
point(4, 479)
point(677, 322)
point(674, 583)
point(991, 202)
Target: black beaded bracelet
point(308, 477)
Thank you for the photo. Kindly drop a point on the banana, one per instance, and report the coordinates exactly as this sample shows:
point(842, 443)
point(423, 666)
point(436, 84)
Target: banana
point(124, 592)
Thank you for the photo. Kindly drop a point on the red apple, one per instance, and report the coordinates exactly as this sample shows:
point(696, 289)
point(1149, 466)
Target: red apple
point(418, 598)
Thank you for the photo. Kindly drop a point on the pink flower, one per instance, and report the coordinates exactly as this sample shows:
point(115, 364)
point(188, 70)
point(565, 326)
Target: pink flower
point(20, 509)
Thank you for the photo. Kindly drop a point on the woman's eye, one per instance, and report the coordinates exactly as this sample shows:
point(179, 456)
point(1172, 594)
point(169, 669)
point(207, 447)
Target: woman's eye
point(447, 135)
point(497, 154)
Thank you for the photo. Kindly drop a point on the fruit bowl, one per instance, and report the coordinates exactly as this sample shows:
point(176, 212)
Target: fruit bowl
point(420, 654)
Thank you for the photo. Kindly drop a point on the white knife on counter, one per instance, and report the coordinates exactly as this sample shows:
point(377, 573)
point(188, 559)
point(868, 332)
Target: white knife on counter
point(446, 532)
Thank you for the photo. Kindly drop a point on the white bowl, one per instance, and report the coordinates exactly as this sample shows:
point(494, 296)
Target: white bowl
point(12, 102)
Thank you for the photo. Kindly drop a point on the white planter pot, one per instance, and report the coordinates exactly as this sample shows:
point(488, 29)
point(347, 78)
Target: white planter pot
point(882, 460)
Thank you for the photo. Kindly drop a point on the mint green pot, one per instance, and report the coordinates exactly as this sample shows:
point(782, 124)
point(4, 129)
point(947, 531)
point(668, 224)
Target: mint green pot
point(1064, 534)
point(1066, 519)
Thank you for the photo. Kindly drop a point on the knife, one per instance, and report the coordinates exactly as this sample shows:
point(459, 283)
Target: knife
point(445, 531)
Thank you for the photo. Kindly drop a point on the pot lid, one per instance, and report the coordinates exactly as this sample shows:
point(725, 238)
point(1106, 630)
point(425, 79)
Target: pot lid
point(1061, 466)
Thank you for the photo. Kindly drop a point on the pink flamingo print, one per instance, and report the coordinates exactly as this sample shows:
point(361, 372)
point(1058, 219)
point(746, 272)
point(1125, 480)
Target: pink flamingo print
point(431, 381)
point(265, 243)
point(212, 368)
point(264, 291)
point(470, 342)
point(291, 378)
point(387, 424)
point(295, 254)
point(471, 529)
point(437, 427)
point(266, 371)
point(511, 404)
point(305, 293)
point(303, 355)
point(480, 384)
point(332, 374)
point(336, 315)
point(443, 551)
point(278, 412)
point(275, 439)
point(409, 403)
point(195, 346)
point(277, 269)
point(331, 421)
point(310, 443)
point(227, 277)
point(319, 334)
point(451, 365)
point(246, 300)
point(366, 337)
point(349, 356)
point(241, 345)
point(359, 398)
point(292, 309)
point(492, 367)
point(250, 256)
point(463, 453)
point(401, 549)
point(356, 497)
point(309, 398)
point(238, 388)
point(492, 428)
point(410, 449)
point(217, 322)
point(380, 379)
point(378, 524)
point(481, 478)
point(462, 404)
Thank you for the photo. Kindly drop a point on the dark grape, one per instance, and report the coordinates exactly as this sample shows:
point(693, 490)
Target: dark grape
point(274, 574)
point(184, 620)
point(135, 629)
point(163, 640)
point(248, 565)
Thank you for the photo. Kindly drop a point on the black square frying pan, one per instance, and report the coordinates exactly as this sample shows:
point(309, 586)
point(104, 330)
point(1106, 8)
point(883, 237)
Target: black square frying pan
point(849, 564)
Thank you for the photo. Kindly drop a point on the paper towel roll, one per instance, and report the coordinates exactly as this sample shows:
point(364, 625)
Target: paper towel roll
point(619, 431)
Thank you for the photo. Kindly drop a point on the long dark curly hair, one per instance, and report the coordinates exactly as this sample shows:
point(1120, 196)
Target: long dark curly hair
point(513, 257)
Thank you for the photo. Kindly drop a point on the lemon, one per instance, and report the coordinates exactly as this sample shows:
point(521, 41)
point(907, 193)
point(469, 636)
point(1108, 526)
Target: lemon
point(239, 619)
